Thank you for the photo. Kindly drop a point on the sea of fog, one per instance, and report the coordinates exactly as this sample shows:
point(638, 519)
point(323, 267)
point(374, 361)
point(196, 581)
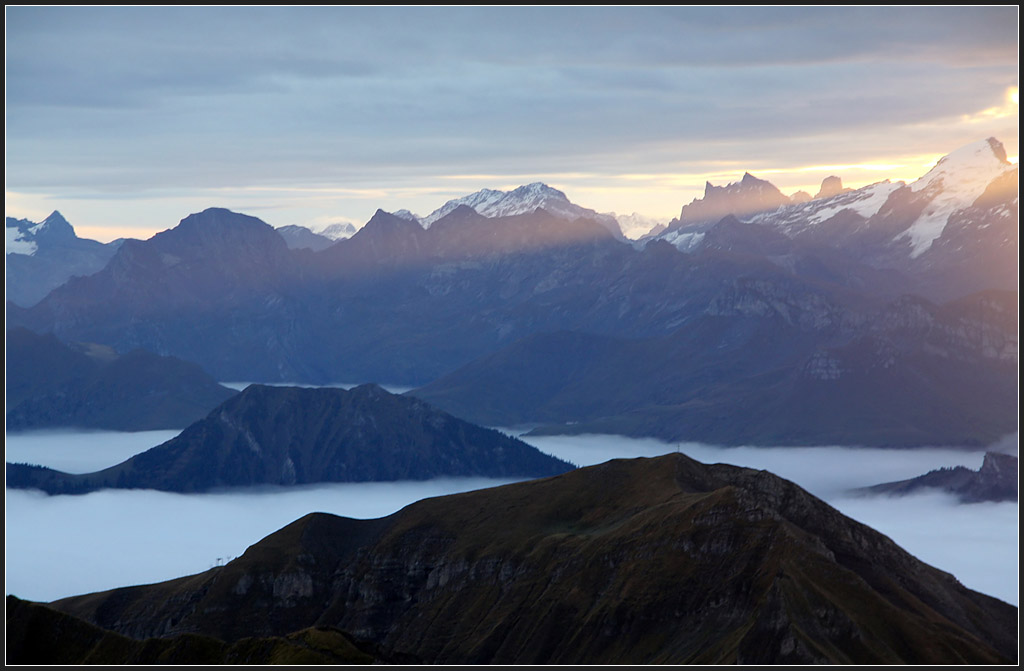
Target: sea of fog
point(59, 546)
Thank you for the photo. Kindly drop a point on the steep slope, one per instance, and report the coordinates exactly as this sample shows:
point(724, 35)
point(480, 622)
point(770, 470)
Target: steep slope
point(42, 256)
point(293, 435)
point(629, 562)
point(51, 384)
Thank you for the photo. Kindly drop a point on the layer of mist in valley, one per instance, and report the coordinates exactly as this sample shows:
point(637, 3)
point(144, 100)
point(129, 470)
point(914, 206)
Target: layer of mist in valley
point(59, 546)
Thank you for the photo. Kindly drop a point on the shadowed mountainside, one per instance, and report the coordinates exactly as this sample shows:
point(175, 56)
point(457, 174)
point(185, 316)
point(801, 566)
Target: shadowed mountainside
point(52, 384)
point(294, 435)
point(37, 634)
point(759, 371)
point(639, 561)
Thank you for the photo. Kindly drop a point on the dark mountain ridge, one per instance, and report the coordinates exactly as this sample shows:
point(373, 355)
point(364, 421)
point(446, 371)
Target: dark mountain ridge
point(40, 635)
point(996, 480)
point(294, 435)
point(52, 384)
point(637, 561)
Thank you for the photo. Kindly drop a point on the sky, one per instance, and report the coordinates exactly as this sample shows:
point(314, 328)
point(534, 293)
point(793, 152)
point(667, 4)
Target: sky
point(127, 119)
point(114, 538)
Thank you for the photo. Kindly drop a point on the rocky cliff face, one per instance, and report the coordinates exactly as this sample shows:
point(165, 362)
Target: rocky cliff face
point(632, 562)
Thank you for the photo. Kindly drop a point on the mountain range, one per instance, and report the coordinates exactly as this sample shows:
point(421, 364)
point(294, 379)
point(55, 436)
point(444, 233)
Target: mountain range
point(881, 315)
point(952, 232)
point(293, 436)
point(643, 561)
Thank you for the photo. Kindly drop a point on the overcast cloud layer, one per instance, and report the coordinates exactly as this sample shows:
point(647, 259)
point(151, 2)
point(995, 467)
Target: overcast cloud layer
point(135, 117)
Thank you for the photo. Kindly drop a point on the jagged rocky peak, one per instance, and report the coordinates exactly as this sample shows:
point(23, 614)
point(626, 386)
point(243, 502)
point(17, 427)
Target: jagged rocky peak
point(748, 196)
point(57, 223)
point(999, 466)
point(800, 197)
point(830, 186)
point(54, 227)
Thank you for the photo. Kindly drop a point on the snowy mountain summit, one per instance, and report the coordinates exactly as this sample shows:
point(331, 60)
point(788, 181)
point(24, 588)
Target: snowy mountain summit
point(22, 236)
point(523, 200)
point(955, 183)
point(954, 229)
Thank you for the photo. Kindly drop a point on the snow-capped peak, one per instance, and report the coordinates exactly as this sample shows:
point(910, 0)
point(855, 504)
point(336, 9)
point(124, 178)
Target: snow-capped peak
point(23, 236)
point(494, 203)
point(964, 168)
point(334, 231)
point(954, 183)
point(522, 200)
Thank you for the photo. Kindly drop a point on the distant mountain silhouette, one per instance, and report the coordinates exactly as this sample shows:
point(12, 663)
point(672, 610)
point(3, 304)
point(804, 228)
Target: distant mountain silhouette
point(996, 480)
point(294, 435)
point(643, 561)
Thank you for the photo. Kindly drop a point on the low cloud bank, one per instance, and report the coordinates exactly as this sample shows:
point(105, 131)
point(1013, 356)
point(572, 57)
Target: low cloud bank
point(58, 546)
